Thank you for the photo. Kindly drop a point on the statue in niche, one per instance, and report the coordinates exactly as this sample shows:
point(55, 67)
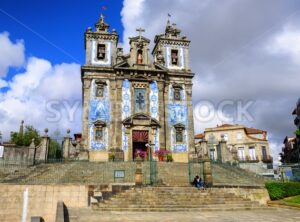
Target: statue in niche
point(140, 57)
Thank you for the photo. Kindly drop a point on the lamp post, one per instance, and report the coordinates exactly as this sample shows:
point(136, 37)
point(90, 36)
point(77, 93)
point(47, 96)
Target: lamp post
point(148, 145)
point(0, 138)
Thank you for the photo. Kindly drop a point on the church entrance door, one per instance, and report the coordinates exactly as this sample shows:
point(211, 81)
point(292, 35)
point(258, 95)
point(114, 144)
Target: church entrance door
point(139, 140)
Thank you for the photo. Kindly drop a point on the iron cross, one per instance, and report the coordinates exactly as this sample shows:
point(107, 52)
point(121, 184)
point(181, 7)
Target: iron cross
point(140, 100)
point(140, 30)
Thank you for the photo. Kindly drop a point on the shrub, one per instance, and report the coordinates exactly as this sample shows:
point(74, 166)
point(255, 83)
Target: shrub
point(111, 157)
point(278, 190)
point(169, 157)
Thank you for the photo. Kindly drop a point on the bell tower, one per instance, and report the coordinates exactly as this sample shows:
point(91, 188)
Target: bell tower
point(139, 50)
point(171, 50)
point(101, 45)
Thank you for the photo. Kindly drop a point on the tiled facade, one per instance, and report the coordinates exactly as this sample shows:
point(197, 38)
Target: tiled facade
point(130, 101)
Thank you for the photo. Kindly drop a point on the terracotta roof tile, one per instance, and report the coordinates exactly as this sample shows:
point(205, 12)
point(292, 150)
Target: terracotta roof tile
point(253, 131)
point(200, 136)
point(225, 125)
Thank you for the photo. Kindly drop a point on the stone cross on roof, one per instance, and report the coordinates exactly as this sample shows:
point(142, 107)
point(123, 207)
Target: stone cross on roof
point(140, 30)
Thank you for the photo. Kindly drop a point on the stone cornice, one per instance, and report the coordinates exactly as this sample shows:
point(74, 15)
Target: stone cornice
point(104, 36)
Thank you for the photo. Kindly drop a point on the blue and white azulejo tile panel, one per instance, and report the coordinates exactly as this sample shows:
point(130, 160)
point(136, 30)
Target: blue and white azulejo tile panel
point(153, 98)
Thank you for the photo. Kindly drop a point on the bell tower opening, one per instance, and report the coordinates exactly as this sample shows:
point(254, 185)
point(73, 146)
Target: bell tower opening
point(140, 57)
point(101, 52)
point(174, 54)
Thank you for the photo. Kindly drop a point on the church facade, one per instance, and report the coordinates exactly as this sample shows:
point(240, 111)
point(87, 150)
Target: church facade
point(132, 102)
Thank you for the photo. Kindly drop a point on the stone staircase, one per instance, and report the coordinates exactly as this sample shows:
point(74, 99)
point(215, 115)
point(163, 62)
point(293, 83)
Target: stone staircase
point(173, 174)
point(233, 176)
point(171, 199)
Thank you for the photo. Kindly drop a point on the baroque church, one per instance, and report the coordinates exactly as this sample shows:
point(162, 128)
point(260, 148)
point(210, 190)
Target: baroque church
point(136, 102)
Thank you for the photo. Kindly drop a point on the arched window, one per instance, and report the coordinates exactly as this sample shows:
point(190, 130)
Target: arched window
point(140, 56)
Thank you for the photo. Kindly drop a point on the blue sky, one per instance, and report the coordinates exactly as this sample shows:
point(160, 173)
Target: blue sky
point(60, 22)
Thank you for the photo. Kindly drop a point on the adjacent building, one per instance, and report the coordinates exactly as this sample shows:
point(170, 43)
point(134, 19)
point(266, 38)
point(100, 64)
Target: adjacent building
point(291, 150)
point(135, 102)
point(247, 146)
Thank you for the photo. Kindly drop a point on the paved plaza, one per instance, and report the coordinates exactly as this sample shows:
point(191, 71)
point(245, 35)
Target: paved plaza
point(270, 215)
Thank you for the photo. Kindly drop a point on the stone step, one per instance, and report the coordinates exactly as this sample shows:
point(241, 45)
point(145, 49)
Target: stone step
point(162, 204)
point(199, 209)
point(221, 205)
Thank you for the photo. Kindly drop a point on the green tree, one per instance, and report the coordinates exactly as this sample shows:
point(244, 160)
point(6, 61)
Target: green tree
point(25, 139)
point(54, 150)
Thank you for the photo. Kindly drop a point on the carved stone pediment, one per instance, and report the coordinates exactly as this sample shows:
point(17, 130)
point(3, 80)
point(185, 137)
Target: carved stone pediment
point(179, 127)
point(99, 123)
point(177, 86)
point(141, 119)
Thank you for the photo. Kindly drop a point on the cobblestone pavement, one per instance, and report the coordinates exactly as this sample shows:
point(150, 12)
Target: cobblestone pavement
point(270, 215)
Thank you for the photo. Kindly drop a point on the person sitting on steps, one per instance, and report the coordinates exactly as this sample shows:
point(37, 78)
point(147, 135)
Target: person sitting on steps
point(198, 182)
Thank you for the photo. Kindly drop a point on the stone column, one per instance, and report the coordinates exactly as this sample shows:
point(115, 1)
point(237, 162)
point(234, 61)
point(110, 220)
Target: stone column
point(44, 147)
point(31, 153)
point(67, 145)
point(223, 149)
point(86, 87)
point(207, 173)
point(113, 115)
point(203, 149)
point(191, 134)
point(161, 104)
point(167, 135)
point(138, 172)
point(118, 114)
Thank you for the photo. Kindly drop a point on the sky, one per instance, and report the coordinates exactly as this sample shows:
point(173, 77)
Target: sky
point(244, 53)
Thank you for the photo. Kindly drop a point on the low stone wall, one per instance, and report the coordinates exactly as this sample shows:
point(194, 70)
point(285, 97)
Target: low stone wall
point(260, 195)
point(18, 155)
point(258, 168)
point(42, 200)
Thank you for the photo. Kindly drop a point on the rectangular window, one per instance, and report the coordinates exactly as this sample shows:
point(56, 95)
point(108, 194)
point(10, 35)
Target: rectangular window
point(100, 91)
point(140, 100)
point(179, 136)
point(212, 154)
point(239, 136)
point(226, 137)
point(177, 94)
point(264, 152)
point(252, 153)
point(101, 52)
point(99, 134)
point(174, 54)
point(241, 153)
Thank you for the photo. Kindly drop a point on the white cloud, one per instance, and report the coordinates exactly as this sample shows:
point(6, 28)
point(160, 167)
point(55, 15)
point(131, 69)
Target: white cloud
point(131, 18)
point(12, 54)
point(286, 43)
point(29, 92)
point(228, 53)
